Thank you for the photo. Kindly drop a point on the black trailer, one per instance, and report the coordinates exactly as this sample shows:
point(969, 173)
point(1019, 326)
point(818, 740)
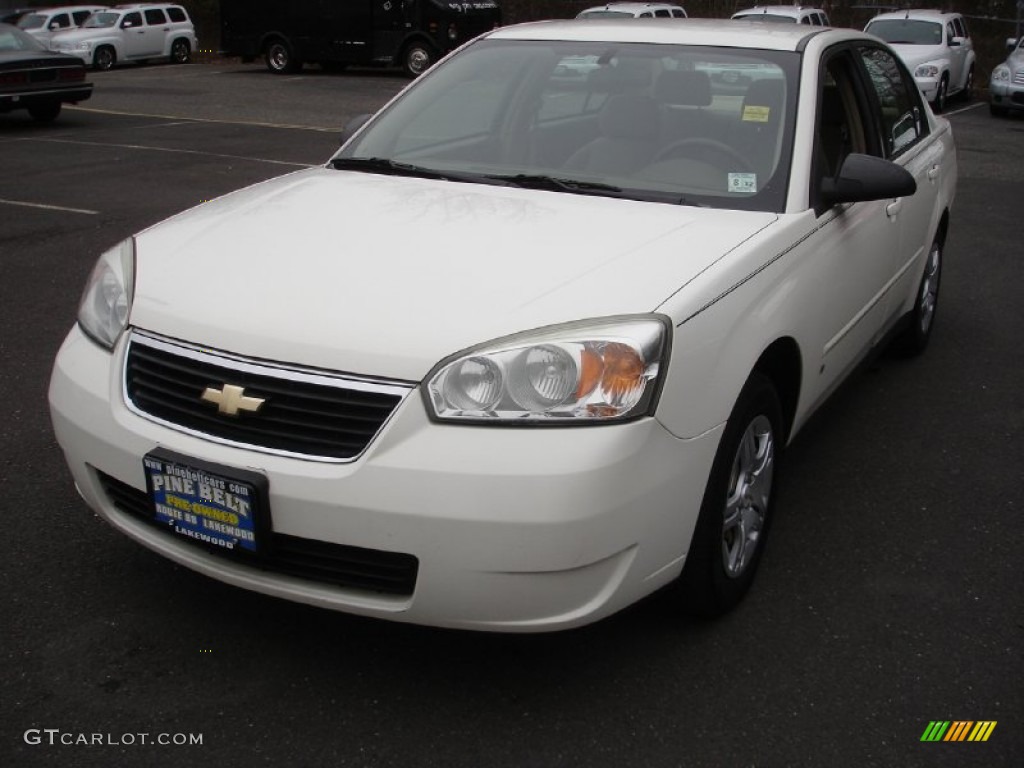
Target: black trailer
point(411, 34)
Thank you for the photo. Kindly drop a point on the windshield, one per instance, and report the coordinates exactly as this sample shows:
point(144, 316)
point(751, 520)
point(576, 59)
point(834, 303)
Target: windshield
point(675, 124)
point(101, 20)
point(605, 15)
point(906, 31)
point(13, 39)
point(32, 21)
point(771, 17)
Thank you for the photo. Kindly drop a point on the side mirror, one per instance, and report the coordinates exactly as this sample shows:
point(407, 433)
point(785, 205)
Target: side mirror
point(866, 177)
point(352, 127)
point(1011, 43)
point(956, 42)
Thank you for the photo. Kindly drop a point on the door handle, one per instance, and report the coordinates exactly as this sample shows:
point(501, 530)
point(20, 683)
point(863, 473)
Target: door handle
point(893, 208)
point(933, 172)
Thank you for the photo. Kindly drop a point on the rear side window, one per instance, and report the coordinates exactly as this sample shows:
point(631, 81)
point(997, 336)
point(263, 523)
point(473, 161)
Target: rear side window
point(177, 14)
point(155, 16)
point(678, 14)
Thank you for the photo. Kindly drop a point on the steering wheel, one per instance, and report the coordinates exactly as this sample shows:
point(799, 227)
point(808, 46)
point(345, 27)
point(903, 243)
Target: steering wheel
point(698, 149)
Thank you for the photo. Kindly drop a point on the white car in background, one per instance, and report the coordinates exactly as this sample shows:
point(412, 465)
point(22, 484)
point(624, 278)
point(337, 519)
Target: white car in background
point(1006, 86)
point(44, 23)
point(529, 347)
point(936, 46)
point(627, 10)
point(784, 14)
point(131, 33)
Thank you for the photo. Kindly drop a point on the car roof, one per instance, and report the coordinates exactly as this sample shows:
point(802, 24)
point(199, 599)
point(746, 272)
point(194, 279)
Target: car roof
point(918, 13)
point(631, 7)
point(794, 10)
point(706, 32)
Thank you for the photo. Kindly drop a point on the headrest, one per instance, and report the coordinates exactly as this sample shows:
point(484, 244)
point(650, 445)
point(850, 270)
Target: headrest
point(683, 88)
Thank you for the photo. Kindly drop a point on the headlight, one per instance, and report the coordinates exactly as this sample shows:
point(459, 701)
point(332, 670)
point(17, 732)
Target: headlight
point(590, 372)
point(107, 299)
point(926, 70)
point(1000, 73)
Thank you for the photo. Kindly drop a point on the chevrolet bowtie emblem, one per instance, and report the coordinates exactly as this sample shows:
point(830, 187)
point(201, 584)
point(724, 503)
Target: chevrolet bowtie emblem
point(231, 399)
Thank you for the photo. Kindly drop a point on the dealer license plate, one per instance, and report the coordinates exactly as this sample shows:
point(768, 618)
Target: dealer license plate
point(207, 503)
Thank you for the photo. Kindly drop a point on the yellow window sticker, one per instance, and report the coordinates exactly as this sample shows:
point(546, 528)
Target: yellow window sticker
point(756, 114)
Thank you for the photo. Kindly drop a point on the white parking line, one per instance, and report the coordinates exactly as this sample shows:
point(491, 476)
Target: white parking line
point(49, 207)
point(145, 148)
point(964, 109)
point(206, 120)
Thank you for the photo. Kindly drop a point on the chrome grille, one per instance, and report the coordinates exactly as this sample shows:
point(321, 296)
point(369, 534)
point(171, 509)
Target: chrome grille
point(305, 413)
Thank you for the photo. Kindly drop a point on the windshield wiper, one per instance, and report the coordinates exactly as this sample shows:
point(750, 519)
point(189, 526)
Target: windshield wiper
point(554, 184)
point(394, 168)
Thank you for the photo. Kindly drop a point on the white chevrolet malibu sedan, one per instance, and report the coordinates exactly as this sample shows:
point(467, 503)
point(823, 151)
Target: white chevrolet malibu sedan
point(531, 344)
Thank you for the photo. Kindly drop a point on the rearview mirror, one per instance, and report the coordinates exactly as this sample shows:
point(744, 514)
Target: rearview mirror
point(865, 177)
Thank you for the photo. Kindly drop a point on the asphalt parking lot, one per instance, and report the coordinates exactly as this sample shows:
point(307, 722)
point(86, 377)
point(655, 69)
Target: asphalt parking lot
point(891, 594)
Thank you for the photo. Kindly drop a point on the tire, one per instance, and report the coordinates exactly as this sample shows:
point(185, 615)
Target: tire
point(280, 58)
point(941, 96)
point(735, 515)
point(968, 91)
point(181, 51)
point(417, 58)
point(104, 58)
point(913, 340)
point(45, 111)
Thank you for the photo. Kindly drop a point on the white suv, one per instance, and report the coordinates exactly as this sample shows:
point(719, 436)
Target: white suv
point(44, 23)
point(785, 14)
point(935, 46)
point(634, 11)
point(131, 33)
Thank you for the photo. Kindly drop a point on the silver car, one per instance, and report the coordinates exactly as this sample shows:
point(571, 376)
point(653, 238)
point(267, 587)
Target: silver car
point(1006, 89)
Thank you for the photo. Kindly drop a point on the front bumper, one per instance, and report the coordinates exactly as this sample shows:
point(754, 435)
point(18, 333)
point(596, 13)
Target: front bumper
point(1006, 94)
point(514, 529)
point(929, 87)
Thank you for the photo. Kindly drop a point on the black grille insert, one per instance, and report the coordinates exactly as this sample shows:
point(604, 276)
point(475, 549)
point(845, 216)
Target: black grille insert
point(371, 570)
point(303, 413)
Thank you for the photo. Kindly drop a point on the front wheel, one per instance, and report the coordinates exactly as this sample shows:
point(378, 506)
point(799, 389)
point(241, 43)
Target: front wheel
point(181, 51)
point(417, 58)
point(914, 338)
point(104, 58)
point(941, 95)
point(44, 111)
point(735, 516)
point(280, 59)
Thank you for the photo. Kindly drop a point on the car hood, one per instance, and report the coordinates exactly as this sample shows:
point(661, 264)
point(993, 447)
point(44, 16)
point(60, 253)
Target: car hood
point(35, 59)
point(77, 35)
point(386, 276)
point(914, 55)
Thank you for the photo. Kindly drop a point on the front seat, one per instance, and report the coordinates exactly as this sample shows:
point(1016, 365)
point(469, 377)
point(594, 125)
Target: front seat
point(630, 126)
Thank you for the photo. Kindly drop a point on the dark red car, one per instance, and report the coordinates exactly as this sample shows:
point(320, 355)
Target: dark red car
point(35, 79)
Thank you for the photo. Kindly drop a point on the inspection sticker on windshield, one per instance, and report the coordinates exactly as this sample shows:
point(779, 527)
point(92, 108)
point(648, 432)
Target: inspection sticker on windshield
point(753, 114)
point(745, 183)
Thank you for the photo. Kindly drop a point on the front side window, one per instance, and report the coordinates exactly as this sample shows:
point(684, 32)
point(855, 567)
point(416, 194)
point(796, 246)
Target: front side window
point(60, 21)
point(901, 111)
point(676, 124)
point(131, 20)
